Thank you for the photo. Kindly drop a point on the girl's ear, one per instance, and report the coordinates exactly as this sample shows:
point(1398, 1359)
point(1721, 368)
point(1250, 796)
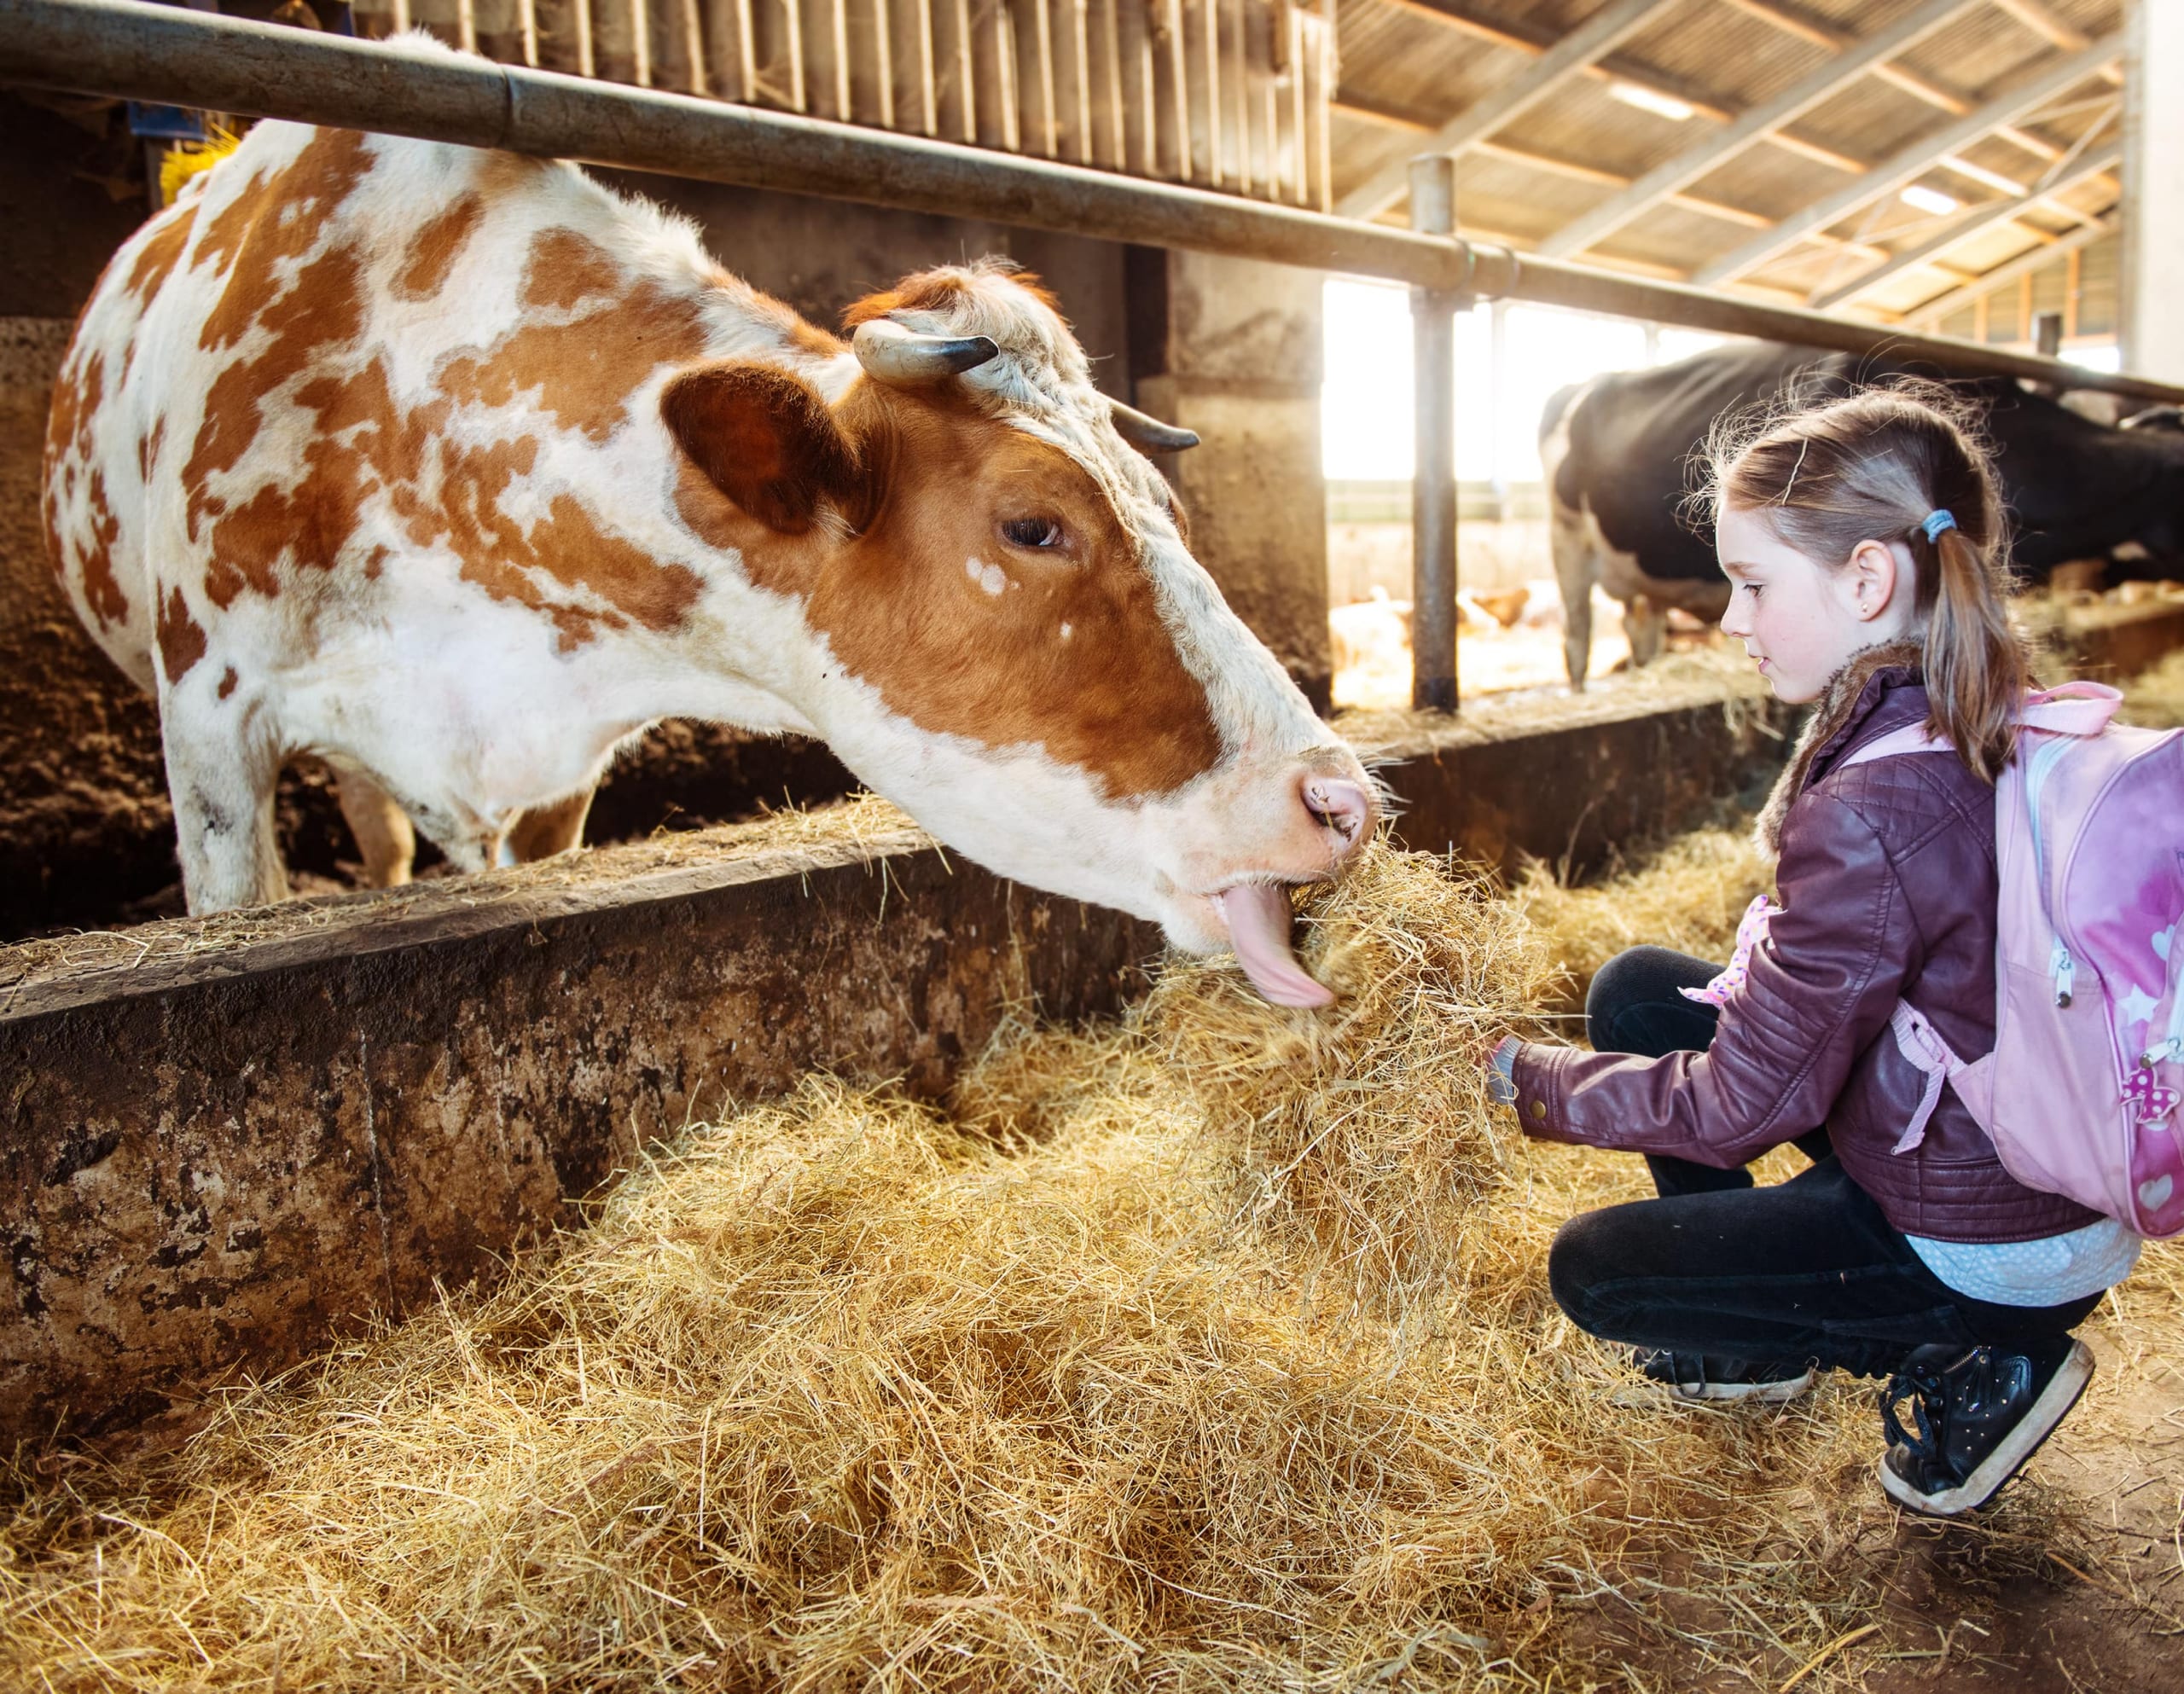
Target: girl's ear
point(1872, 578)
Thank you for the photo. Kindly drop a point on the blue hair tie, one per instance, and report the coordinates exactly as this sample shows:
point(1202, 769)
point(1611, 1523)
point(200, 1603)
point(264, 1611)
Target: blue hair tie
point(1936, 522)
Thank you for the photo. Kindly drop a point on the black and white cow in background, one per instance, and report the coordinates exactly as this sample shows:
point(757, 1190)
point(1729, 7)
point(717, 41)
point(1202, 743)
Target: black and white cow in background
point(1618, 456)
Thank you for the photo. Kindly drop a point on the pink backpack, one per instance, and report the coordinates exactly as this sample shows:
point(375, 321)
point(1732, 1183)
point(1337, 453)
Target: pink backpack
point(2081, 1093)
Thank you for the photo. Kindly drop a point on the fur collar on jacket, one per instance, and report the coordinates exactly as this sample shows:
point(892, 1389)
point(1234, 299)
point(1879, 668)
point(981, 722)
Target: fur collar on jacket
point(1831, 714)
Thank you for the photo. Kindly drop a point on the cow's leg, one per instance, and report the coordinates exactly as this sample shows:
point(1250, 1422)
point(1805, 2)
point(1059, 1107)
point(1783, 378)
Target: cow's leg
point(223, 763)
point(544, 831)
point(384, 836)
point(1575, 568)
point(1646, 623)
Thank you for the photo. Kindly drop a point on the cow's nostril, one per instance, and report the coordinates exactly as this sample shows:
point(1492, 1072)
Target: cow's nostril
point(1338, 805)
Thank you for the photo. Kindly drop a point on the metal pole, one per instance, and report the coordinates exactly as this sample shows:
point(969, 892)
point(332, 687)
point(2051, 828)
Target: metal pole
point(165, 54)
point(1433, 475)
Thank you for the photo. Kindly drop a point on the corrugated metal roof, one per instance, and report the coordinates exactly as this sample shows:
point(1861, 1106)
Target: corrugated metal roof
point(1576, 148)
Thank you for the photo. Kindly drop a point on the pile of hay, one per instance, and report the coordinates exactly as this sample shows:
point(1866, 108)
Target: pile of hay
point(1689, 896)
point(1209, 1350)
point(2155, 697)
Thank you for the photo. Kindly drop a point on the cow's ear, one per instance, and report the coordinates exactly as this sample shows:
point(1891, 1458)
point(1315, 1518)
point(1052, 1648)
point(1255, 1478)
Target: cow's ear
point(767, 440)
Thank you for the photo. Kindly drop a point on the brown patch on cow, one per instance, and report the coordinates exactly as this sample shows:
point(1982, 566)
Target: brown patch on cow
point(75, 396)
point(431, 252)
point(937, 291)
point(182, 638)
point(899, 608)
point(565, 268)
point(102, 589)
point(360, 444)
point(228, 681)
point(148, 449)
point(279, 223)
point(583, 372)
point(318, 310)
point(567, 547)
point(322, 311)
point(161, 249)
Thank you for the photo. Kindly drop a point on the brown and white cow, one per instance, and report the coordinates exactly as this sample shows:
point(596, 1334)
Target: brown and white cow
point(457, 470)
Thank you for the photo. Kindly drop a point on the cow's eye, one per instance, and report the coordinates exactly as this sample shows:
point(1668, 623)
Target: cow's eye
point(1033, 532)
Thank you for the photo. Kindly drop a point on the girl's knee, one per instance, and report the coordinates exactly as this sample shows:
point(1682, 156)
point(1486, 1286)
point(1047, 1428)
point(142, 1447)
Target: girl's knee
point(1579, 1261)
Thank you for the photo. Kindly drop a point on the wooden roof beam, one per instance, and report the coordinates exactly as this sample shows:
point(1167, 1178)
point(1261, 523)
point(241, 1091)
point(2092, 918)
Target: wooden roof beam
point(1606, 30)
point(1935, 310)
point(2049, 26)
point(1578, 171)
point(1758, 124)
point(1980, 217)
point(1521, 39)
point(1907, 165)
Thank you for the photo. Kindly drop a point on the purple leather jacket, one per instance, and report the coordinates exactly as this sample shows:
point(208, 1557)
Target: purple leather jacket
point(1886, 877)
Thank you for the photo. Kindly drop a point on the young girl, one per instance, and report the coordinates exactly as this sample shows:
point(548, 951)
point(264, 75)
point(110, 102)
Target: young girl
point(1864, 544)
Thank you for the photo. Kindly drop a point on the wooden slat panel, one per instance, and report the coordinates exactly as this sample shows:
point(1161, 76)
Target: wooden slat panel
point(825, 58)
point(1319, 106)
point(993, 63)
point(1202, 73)
point(1300, 176)
point(872, 62)
point(955, 70)
point(1228, 94)
point(729, 49)
point(1072, 33)
point(678, 52)
point(1032, 24)
point(497, 30)
point(1171, 128)
point(912, 34)
point(1109, 119)
point(777, 48)
point(614, 40)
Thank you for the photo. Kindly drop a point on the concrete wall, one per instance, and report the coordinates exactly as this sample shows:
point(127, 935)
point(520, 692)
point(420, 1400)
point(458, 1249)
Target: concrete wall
point(1232, 348)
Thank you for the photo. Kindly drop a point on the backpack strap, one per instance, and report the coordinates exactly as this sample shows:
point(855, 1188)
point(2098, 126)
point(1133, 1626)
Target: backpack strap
point(1912, 737)
point(1922, 1044)
point(2073, 709)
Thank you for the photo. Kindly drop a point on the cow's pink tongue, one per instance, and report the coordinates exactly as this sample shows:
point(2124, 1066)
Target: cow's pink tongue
point(1258, 925)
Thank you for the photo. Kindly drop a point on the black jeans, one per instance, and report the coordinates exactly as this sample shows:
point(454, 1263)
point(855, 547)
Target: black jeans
point(1805, 1271)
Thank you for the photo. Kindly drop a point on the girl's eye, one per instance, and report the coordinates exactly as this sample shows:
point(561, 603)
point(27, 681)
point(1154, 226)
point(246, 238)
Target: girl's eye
point(1033, 532)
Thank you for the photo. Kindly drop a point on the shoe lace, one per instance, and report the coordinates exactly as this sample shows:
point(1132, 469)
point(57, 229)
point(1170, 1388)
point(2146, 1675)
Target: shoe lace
point(1923, 1388)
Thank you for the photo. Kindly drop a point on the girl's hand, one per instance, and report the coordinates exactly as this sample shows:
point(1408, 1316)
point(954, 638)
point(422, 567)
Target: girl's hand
point(1499, 1061)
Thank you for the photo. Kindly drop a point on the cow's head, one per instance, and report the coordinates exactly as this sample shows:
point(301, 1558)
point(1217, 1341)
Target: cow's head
point(1002, 628)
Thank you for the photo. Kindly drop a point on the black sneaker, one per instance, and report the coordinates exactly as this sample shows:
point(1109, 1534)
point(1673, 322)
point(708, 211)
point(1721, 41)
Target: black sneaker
point(1705, 1375)
point(1980, 1415)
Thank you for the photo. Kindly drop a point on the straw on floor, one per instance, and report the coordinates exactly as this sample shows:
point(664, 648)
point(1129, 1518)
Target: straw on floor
point(1209, 1350)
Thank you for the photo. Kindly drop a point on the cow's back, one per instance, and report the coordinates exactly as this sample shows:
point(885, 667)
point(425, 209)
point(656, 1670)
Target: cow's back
point(1635, 436)
point(356, 377)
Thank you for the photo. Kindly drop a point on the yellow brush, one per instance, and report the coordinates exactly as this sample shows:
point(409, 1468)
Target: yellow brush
point(186, 160)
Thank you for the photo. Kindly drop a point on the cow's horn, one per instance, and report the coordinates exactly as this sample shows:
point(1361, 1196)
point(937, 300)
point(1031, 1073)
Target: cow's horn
point(1149, 434)
point(903, 356)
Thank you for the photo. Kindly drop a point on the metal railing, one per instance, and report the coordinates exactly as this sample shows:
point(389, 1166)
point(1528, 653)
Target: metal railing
point(123, 48)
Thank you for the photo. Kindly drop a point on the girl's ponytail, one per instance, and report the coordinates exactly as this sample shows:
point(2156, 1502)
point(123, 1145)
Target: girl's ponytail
point(1975, 671)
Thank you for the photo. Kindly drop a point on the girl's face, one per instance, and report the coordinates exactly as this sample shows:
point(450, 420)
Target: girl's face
point(1803, 621)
